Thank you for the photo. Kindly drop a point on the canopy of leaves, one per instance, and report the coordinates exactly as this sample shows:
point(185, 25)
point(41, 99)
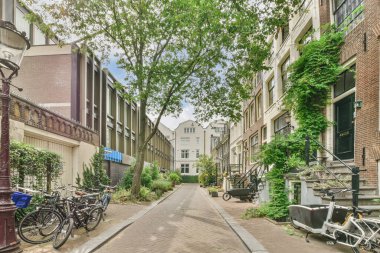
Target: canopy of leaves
point(200, 51)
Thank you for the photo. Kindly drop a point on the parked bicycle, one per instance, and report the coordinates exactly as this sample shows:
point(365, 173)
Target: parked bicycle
point(342, 225)
point(79, 214)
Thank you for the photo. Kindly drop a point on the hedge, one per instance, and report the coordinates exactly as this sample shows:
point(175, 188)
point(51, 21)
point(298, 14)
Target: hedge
point(189, 179)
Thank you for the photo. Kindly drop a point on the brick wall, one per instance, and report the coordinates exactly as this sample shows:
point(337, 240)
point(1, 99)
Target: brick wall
point(367, 87)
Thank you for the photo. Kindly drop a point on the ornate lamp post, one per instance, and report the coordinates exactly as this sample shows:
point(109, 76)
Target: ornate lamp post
point(13, 45)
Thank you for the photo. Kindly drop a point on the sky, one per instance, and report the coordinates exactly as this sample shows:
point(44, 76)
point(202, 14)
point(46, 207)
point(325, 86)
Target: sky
point(170, 122)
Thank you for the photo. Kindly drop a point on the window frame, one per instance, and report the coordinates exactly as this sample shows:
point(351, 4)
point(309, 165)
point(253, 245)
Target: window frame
point(271, 86)
point(284, 73)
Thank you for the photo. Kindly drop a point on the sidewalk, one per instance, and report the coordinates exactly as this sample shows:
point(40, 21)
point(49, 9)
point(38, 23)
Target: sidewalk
point(277, 238)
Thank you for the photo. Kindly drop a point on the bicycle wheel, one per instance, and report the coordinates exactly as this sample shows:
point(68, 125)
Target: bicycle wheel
point(93, 219)
point(63, 233)
point(39, 226)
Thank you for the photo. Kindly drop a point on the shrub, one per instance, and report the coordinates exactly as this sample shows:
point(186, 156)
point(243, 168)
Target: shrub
point(146, 177)
point(190, 179)
point(122, 196)
point(257, 212)
point(145, 194)
point(175, 178)
point(160, 186)
point(155, 171)
point(126, 181)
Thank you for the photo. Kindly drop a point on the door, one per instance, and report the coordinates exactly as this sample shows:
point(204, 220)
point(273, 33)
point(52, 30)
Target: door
point(344, 128)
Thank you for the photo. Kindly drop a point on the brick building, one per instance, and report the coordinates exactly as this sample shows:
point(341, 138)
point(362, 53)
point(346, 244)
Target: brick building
point(355, 136)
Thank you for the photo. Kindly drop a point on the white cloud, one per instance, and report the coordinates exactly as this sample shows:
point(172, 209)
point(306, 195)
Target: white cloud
point(186, 114)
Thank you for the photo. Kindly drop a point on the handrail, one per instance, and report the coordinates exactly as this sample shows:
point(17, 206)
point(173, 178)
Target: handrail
point(328, 151)
point(247, 174)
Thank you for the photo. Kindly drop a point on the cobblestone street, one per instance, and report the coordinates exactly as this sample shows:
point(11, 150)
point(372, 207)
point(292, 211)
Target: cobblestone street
point(185, 222)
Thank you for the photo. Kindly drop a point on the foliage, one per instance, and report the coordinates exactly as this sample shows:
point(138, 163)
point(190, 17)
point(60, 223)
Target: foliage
point(149, 174)
point(207, 170)
point(155, 171)
point(190, 179)
point(311, 77)
point(146, 177)
point(200, 52)
point(256, 212)
point(40, 165)
point(126, 181)
point(160, 186)
point(94, 174)
point(122, 196)
point(283, 153)
point(212, 189)
point(175, 178)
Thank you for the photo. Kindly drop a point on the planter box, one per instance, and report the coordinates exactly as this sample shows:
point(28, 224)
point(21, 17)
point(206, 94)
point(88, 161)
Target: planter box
point(214, 194)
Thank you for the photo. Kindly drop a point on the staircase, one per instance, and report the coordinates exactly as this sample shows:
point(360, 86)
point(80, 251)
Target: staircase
point(338, 176)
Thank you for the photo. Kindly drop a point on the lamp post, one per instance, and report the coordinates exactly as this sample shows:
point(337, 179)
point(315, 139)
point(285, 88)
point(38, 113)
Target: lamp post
point(13, 45)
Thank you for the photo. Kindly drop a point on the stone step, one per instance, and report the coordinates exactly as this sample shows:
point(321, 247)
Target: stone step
point(311, 183)
point(366, 190)
point(366, 200)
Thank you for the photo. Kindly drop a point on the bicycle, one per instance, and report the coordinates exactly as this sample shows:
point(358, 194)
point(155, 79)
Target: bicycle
point(354, 231)
point(79, 214)
point(106, 197)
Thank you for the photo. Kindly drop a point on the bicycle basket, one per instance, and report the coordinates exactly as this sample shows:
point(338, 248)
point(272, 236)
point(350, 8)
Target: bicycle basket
point(21, 199)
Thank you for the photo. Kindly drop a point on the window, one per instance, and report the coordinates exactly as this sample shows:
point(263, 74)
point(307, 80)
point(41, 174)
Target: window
point(280, 125)
point(263, 134)
point(184, 168)
point(246, 120)
point(252, 116)
point(271, 52)
point(254, 143)
point(184, 153)
point(308, 36)
point(285, 74)
point(198, 140)
point(270, 91)
point(189, 130)
point(185, 140)
point(348, 13)
point(259, 107)
point(7, 10)
point(284, 32)
point(197, 153)
point(345, 82)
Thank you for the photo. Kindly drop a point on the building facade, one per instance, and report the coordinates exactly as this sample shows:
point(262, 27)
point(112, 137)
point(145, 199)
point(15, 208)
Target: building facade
point(77, 86)
point(354, 107)
point(191, 141)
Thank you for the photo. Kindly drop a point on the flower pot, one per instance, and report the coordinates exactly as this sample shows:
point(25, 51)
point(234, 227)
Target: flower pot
point(214, 194)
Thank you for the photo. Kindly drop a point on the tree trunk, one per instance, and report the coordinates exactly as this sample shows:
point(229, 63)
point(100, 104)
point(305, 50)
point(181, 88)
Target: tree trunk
point(140, 156)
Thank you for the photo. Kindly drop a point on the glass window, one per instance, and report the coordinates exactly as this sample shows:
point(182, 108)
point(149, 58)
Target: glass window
point(184, 168)
point(21, 24)
point(254, 143)
point(347, 12)
point(246, 120)
point(285, 32)
point(280, 125)
point(198, 140)
point(7, 10)
point(270, 92)
point(184, 153)
point(185, 140)
point(259, 107)
point(252, 111)
point(263, 134)
point(189, 129)
point(345, 82)
point(285, 74)
point(197, 153)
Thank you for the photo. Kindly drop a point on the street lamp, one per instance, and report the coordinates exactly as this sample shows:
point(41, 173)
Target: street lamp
point(13, 45)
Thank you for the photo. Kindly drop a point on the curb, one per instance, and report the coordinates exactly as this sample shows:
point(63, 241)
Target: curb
point(101, 239)
point(252, 244)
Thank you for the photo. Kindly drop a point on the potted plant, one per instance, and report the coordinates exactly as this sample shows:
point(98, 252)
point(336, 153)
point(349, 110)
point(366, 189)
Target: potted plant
point(213, 191)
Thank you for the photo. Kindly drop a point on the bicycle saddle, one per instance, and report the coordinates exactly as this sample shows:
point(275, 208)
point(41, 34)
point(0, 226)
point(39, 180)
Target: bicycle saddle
point(362, 210)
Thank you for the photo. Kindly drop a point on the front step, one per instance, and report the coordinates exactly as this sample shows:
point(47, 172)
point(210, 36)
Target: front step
point(366, 200)
point(365, 190)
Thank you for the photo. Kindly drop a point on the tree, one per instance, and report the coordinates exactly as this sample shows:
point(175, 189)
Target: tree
point(197, 51)
point(207, 170)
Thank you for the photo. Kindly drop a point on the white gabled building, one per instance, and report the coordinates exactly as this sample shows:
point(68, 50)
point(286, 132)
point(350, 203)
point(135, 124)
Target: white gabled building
point(191, 141)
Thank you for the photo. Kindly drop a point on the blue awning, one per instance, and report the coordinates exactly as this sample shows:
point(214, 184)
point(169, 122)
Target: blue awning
point(112, 155)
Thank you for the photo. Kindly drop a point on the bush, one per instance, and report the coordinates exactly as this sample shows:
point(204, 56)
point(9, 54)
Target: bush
point(126, 181)
point(122, 196)
point(155, 171)
point(190, 179)
point(258, 212)
point(145, 194)
point(160, 186)
point(146, 177)
point(175, 178)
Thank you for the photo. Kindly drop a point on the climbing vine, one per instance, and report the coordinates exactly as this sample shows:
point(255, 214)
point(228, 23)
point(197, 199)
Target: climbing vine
point(311, 77)
point(39, 167)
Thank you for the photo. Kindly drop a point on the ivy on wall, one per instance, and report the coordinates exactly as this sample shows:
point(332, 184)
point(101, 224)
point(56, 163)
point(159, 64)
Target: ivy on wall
point(311, 77)
point(41, 167)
